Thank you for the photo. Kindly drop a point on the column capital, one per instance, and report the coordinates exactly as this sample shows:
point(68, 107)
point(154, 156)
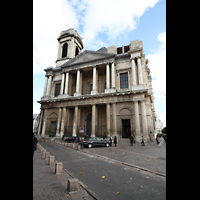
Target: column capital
point(78, 69)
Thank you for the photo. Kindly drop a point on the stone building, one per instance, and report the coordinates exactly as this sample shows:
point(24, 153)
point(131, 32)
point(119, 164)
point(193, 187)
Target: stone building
point(108, 89)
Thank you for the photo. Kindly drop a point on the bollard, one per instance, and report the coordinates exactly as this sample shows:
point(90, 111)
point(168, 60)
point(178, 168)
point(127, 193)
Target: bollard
point(72, 185)
point(51, 160)
point(78, 147)
point(47, 154)
point(58, 167)
point(43, 152)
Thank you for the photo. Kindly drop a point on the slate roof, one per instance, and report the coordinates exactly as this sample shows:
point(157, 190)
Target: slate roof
point(102, 49)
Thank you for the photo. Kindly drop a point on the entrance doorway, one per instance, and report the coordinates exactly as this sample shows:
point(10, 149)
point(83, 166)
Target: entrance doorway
point(53, 127)
point(126, 128)
point(88, 127)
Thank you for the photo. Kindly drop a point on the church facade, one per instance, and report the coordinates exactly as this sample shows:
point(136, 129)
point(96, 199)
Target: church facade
point(108, 89)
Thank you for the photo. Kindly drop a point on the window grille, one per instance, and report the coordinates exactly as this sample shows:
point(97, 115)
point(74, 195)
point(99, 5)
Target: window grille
point(57, 90)
point(124, 80)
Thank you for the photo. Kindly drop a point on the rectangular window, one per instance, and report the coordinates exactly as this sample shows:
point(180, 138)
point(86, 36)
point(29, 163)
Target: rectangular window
point(119, 50)
point(126, 48)
point(57, 90)
point(124, 80)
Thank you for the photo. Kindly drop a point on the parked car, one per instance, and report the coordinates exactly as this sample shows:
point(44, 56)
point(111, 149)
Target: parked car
point(95, 141)
point(72, 139)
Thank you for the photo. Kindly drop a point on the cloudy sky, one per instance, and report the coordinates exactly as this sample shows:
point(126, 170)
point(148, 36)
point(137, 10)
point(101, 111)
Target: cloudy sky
point(101, 23)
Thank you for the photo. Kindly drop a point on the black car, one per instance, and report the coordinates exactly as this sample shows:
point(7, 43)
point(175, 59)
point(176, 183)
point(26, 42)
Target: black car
point(72, 139)
point(95, 141)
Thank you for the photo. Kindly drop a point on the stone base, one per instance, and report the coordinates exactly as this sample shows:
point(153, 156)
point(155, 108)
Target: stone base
point(45, 98)
point(60, 96)
point(76, 94)
point(94, 92)
point(110, 90)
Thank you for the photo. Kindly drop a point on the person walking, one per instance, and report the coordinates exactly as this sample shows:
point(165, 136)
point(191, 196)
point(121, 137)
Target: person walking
point(35, 141)
point(157, 139)
point(142, 143)
point(161, 141)
point(111, 140)
point(134, 139)
point(131, 140)
point(115, 141)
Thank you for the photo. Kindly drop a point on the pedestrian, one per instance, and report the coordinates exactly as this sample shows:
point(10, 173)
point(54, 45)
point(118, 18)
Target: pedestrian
point(142, 143)
point(134, 140)
point(131, 140)
point(157, 140)
point(111, 140)
point(115, 141)
point(86, 136)
point(161, 141)
point(35, 141)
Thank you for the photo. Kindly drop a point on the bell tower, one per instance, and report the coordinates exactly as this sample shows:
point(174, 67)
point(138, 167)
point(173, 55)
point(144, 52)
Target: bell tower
point(69, 45)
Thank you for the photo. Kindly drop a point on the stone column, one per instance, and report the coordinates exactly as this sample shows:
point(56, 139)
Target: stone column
point(114, 119)
point(45, 86)
point(58, 122)
point(66, 83)
point(40, 124)
point(137, 121)
point(93, 120)
point(108, 117)
point(140, 71)
point(94, 87)
point(49, 86)
point(107, 77)
point(133, 74)
point(77, 83)
point(144, 120)
point(75, 121)
point(62, 122)
point(62, 83)
point(113, 75)
point(44, 123)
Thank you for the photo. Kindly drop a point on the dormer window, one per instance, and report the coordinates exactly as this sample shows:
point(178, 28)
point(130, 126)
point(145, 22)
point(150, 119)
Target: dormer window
point(64, 50)
point(119, 50)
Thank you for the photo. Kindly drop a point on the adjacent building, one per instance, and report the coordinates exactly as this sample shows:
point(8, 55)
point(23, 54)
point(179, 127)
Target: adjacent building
point(108, 89)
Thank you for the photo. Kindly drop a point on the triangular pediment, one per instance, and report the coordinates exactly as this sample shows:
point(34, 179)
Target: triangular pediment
point(88, 56)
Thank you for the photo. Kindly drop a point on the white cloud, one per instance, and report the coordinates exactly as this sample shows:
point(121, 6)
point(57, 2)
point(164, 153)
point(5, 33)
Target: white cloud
point(157, 65)
point(113, 17)
point(50, 17)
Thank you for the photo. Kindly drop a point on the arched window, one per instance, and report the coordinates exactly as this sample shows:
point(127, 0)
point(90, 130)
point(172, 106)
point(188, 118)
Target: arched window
point(76, 51)
point(64, 50)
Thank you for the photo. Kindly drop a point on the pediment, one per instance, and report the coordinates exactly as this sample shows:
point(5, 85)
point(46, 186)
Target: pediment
point(88, 57)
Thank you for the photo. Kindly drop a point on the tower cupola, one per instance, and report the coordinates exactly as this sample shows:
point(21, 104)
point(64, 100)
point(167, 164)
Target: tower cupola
point(69, 45)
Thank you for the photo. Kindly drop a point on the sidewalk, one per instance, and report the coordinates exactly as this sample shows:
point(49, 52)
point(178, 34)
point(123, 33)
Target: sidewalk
point(49, 186)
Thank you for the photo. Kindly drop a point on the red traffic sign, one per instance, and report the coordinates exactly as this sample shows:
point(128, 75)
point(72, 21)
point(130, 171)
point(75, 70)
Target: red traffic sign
point(81, 128)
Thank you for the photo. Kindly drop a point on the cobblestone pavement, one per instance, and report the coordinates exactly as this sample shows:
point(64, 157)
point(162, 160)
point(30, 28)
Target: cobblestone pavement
point(46, 185)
